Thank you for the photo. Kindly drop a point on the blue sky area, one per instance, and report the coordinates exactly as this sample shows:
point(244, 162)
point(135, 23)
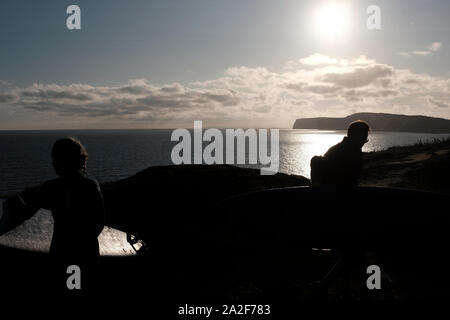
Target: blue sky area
point(163, 64)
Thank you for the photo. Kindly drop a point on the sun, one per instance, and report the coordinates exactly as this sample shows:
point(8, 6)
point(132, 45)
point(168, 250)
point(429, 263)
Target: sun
point(332, 21)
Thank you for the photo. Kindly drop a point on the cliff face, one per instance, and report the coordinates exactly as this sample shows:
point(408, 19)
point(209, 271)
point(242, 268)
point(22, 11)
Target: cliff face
point(379, 122)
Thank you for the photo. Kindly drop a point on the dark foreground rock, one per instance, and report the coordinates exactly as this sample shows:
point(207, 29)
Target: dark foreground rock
point(182, 192)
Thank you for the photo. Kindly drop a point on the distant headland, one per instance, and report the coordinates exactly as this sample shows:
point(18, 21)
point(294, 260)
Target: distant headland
point(379, 122)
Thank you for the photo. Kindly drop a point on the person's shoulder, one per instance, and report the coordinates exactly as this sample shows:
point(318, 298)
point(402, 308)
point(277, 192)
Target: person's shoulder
point(90, 183)
point(52, 183)
point(39, 192)
point(334, 149)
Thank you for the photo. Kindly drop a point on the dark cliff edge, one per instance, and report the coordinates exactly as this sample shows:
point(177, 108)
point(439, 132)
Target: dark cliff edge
point(158, 192)
point(378, 122)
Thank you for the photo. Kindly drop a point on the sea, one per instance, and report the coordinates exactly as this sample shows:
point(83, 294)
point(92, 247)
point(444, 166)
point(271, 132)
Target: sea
point(117, 154)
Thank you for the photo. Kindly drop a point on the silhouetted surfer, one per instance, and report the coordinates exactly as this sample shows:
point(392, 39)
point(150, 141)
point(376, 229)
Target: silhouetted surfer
point(76, 204)
point(341, 165)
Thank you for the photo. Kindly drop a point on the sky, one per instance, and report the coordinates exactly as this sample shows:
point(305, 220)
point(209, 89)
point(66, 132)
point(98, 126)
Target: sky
point(229, 63)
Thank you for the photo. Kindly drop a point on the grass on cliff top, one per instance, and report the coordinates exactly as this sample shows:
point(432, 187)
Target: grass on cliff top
point(398, 152)
point(399, 167)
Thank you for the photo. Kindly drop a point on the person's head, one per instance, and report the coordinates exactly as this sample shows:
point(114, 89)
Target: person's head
point(358, 131)
point(69, 156)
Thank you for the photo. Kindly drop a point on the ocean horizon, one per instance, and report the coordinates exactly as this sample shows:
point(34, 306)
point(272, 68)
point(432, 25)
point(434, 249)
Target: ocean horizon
point(119, 153)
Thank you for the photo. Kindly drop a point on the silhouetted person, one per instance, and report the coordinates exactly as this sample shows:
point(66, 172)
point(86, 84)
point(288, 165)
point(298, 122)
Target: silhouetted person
point(339, 169)
point(76, 204)
point(341, 165)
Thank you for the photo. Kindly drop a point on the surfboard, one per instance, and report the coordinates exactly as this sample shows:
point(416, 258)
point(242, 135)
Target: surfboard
point(35, 234)
point(323, 217)
point(302, 212)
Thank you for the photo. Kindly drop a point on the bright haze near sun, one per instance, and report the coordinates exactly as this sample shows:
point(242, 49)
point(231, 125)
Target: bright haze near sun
point(331, 21)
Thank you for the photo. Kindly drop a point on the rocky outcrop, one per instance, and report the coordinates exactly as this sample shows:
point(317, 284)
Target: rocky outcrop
point(379, 122)
point(184, 191)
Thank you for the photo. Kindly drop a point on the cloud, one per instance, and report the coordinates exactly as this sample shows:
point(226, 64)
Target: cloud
point(421, 53)
point(312, 86)
point(358, 77)
point(318, 59)
point(435, 46)
point(5, 86)
point(437, 103)
point(432, 48)
point(7, 98)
